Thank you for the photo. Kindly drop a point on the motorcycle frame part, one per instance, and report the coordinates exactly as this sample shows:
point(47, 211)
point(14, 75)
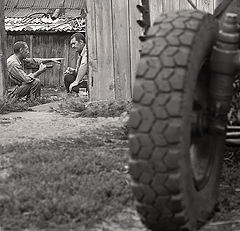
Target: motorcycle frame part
point(222, 6)
point(224, 65)
point(145, 11)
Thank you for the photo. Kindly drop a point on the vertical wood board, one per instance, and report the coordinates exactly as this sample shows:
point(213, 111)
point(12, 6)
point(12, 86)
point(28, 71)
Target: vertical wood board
point(3, 45)
point(156, 8)
point(103, 81)
point(205, 5)
point(170, 5)
point(183, 4)
point(121, 49)
point(134, 32)
point(92, 44)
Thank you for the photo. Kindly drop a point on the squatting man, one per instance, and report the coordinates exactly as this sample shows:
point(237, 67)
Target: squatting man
point(77, 78)
point(25, 84)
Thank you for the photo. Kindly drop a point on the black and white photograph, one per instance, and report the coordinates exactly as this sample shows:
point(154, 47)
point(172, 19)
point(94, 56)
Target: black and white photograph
point(119, 115)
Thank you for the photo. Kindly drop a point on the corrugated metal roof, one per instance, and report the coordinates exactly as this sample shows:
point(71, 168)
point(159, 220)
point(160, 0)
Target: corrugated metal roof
point(40, 4)
point(25, 3)
point(53, 4)
point(11, 3)
point(77, 4)
point(18, 13)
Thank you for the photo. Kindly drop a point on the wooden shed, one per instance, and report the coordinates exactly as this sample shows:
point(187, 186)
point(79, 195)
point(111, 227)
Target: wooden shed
point(113, 42)
point(46, 26)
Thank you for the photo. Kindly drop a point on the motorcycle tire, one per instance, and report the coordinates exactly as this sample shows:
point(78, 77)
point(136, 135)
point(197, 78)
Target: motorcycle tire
point(175, 172)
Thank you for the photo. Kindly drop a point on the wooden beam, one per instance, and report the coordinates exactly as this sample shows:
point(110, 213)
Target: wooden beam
point(100, 49)
point(170, 5)
point(3, 45)
point(121, 49)
point(156, 8)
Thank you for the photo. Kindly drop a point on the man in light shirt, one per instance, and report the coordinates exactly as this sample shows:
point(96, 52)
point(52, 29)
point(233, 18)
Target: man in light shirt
point(24, 84)
point(77, 78)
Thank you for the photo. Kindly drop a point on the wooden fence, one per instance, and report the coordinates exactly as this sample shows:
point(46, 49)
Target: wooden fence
point(113, 42)
point(113, 47)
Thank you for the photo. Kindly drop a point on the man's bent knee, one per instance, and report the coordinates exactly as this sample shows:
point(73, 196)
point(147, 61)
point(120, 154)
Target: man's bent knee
point(69, 78)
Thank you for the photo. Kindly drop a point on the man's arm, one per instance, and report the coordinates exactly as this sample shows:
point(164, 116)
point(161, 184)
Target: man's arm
point(35, 62)
point(82, 71)
point(18, 75)
point(48, 60)
point(42, 68)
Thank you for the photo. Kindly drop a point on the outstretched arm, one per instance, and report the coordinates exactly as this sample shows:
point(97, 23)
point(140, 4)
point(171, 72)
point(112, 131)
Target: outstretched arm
point(35, 62)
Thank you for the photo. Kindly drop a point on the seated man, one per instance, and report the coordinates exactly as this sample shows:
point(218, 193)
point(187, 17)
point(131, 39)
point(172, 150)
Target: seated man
point(77, 78)
point(25, 84)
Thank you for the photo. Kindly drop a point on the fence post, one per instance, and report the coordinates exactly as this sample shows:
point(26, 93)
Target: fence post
point(3, 69)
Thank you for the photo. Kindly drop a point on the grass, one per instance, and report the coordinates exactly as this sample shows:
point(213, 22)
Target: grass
point(65, 184)
point(105, 108)
point(48, 95)
point(71, 103)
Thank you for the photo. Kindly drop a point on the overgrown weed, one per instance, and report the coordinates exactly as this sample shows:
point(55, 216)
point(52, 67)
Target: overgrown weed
point(104, 108)
point(48, 95)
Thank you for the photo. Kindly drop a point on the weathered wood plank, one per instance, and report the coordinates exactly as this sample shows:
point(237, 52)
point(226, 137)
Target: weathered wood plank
point(183, 4)
point(121, 49)
point(170, 5)
point(52, 74)
point(103, 80)
point(205, 5)
point(156, 8)
point(92, 44)
point(38, 51)
point(135, 45)
point(3, 45)
point(31, 46)
point(65, 61)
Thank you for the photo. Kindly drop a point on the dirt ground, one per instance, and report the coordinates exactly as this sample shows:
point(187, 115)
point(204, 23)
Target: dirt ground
point(43, 133)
